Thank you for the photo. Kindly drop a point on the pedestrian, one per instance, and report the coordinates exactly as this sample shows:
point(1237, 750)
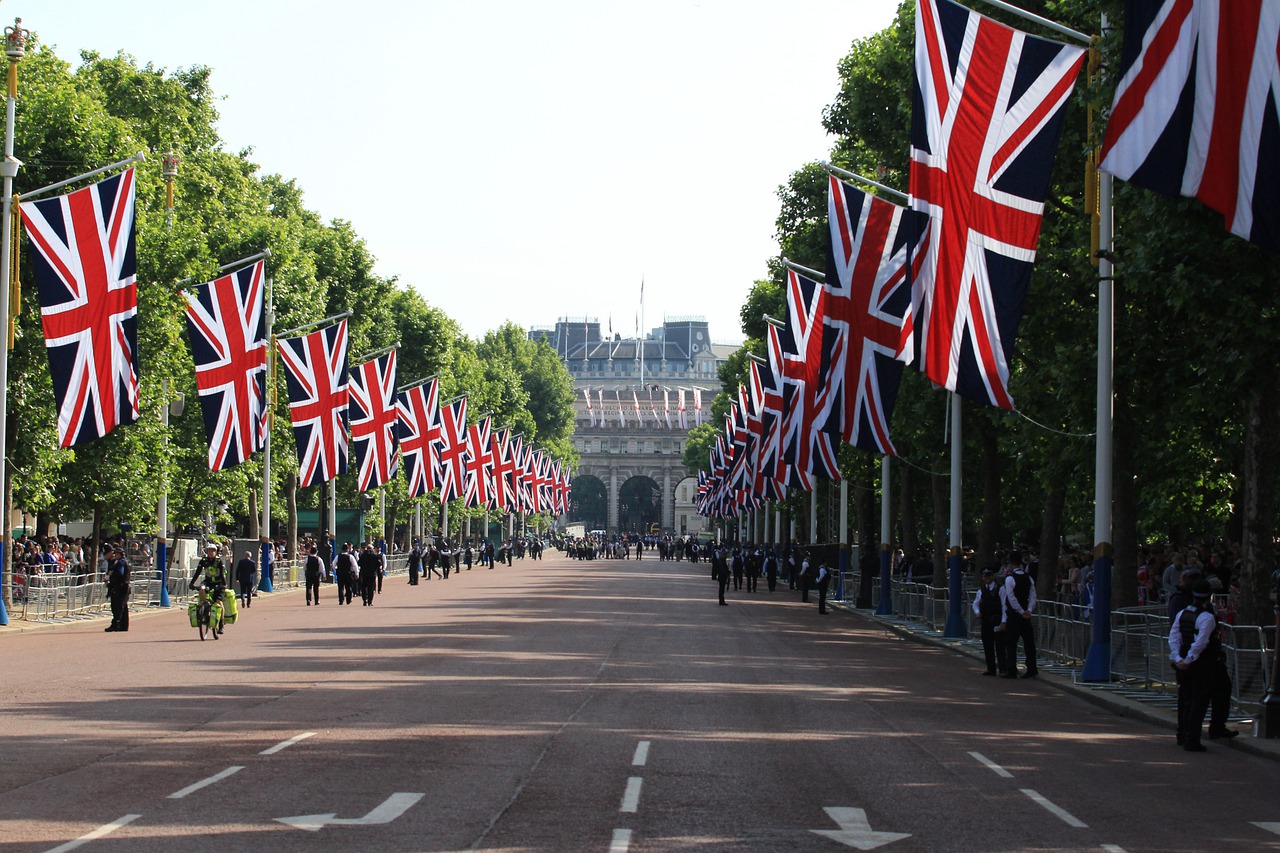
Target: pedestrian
point(754, 562)
point(1019, 608)
point(370, 563)
point(1201, 670)
point(415, 563)
point(739, 568)
point(118, 589)
point(805, 578)
point(720, 571)
point(771, 569)
point(988, 606)
point(345, 570)
point(311, 572)
point(822, 582)
point(244, 578)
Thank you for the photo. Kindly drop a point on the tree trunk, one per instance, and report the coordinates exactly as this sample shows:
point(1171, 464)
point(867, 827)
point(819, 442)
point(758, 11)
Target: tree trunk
point(291, 514)
point(910, 540)
point(389, 533)
point(989, 528)
point(1050, 540)
point(253, 513)
point(941, 518)
point(1124, 512)
point(1258, 549)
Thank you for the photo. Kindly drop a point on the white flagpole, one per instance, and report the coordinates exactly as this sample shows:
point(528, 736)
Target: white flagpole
point(265, 567)
point(955, 559)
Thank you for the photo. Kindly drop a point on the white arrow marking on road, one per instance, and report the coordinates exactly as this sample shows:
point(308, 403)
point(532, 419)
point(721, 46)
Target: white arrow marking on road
point(394, 806)
point(1268, 826)
point(855, 830)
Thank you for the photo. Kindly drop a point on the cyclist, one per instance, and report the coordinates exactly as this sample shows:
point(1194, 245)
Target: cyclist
point(215, 577)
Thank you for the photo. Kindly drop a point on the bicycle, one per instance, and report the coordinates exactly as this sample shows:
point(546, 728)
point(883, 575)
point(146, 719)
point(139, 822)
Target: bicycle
point(209, 615)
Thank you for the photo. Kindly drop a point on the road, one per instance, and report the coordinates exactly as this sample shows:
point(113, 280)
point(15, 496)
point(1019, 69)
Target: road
point(558, 705)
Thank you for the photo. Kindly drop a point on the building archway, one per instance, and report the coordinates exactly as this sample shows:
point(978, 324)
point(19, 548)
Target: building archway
point(639, 506)
point(588, 502)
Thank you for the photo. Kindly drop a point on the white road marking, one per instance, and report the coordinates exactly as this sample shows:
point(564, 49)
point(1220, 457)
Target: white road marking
point(1113, 848)
point(204, 783)
point(1269, 826)
point(996, 768)
point(390, 809)
point(631, 799)
point(1065, 816)
point(621, 841)
point(284, 744)
point(105, 829)
point(642, 754)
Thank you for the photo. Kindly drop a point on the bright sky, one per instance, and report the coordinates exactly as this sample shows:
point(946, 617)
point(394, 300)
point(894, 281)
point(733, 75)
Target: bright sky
point(518, 160)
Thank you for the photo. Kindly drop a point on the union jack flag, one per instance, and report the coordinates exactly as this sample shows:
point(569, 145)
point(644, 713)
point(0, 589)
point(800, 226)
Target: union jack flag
point(453, 450)
point(538, 481)
point(226, 321)
point(374, 417)
point(316, 375)
point(519, 484)
point(418, 429)
point(988, 112)
point(771, 470)
point(807, 451)
point(503, 470)
point(479, 462)
point(1195, 113)
point(867, 293)
point(82, 250)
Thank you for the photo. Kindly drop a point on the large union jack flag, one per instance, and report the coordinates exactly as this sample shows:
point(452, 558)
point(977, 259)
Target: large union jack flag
point(479, 462)
point(226, 321)
point(503, 471)
point(1195, 112)
point(316, 375)
point(807, 451)
point(419, 433)
point(867, 293)
point(453, 449)
point(985, 125)
point(373, 416)
point(82, 250)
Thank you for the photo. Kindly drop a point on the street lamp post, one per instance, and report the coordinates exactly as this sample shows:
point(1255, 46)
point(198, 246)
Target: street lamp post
point(15, 45)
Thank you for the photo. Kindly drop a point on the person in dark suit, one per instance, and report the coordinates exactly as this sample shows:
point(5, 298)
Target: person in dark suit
point(118, 589)
point(245, 570)
point(370, 565)
point(771, 569)
point(822, 584)
point(988, 606)
point(720, 571)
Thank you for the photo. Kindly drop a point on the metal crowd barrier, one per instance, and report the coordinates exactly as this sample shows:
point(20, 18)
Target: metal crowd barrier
point(50, 597)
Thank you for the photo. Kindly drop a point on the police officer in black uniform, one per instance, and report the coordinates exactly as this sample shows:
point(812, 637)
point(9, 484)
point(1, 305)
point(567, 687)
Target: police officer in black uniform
point(988, 606)
point(1201, 669)
point(1019, 607)
point(118, 589)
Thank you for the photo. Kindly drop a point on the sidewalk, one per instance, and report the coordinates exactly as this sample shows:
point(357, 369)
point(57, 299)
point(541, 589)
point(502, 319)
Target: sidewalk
point(1150, 706)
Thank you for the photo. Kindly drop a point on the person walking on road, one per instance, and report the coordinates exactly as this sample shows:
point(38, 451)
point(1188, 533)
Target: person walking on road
point(244, 578)
point(311, 572)
point(1019, 608)
point(988, 606)
point(822, 582)
point(345, 571)
point(415, 563)
point(720, 571)
point(771, 569)
point(370, 565)
point(118, 589)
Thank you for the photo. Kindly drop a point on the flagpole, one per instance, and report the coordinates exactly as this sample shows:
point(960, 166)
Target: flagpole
point(265, 568)
point(344, 315)
point(15, 42)
point(955, 556)
point(140, 157)
point(169, 170)
point(853, 176)
point(885, 607)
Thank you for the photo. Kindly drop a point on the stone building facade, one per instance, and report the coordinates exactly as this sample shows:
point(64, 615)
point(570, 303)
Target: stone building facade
point(630, 476)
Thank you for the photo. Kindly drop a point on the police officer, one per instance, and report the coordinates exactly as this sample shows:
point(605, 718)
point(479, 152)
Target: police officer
point(118, 589)
point(988, 606)
point(311, 572)
point(370, 565)
point(822, 583)
point(215, 574)
point(1019, 608)
point(1201, 670)
point(415, 563)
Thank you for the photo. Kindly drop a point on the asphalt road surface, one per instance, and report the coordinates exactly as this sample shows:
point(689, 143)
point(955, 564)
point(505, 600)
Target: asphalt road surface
point(560, 706)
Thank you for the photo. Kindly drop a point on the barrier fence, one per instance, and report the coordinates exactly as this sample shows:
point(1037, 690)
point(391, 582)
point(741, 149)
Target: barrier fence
point(1139, 638)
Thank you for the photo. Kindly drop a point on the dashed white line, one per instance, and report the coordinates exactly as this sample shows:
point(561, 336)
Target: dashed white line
point(1062, 814)
point(996, 768)
point(1113, 848)
point(105, 829)
point(204, 783)
point(621, 841)
point(284, 744)
point(631, 797)
point(642, 754)
point(1269, 826)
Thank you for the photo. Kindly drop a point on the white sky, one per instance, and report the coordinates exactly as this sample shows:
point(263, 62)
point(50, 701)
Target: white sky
point(514, 159)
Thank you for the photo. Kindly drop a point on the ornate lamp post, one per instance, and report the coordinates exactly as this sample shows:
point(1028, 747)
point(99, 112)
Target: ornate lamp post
point(15, 48)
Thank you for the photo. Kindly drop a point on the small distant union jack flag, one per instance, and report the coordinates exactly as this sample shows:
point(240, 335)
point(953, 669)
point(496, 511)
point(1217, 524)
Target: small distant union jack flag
point(419, 431)
point(453, 450)
point(373, 416)
point(988, 113)
point(82, 250)
point(316, 375)
point(226, 321)
point(1196, 109)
